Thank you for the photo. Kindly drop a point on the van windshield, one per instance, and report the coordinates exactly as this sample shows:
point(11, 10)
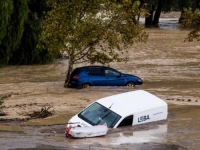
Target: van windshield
point(98, 114)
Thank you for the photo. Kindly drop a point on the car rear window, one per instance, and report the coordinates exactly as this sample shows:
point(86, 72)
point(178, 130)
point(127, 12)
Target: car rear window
point(75, 72)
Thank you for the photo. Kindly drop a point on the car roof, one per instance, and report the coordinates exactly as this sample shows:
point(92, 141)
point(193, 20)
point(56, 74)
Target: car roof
point(88, 67)
point(132, 102)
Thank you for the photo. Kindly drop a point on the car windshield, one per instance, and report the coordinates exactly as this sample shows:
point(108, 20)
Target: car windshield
point(98, 114)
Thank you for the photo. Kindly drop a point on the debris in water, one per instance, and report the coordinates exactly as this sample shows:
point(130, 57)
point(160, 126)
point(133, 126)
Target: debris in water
point(43, 113)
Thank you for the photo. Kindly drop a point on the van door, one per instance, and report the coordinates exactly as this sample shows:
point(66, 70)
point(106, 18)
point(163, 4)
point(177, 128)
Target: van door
point(127, 121)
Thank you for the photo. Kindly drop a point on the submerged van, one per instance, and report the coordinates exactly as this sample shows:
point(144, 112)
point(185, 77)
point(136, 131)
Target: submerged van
point(130, 108)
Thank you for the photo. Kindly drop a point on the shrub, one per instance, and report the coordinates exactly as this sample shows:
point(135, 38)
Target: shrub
point(1, 107)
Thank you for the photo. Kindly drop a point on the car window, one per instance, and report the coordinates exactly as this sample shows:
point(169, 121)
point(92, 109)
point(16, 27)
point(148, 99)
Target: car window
point(98, 114)
point(75, 72)
point(109, 72)
point(126, 121)
point(110, 118)
point(95, 72)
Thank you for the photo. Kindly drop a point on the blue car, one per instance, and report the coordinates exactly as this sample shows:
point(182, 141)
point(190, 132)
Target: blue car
point(83, 77)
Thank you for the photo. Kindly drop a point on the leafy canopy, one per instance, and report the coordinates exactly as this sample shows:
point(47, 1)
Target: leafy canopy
point(1, 108)
point(92, 31)
point(192, 19)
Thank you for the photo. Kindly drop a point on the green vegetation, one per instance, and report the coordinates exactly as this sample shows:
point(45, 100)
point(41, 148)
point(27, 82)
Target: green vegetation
point(1, 108)
point(98, 31)
point(73, 26)
point(2, 98)
point(13, 27)
point(155, 7)
point(192, 19)
point(20, 31)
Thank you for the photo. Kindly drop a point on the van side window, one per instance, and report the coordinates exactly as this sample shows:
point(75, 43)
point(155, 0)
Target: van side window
point(128, 121)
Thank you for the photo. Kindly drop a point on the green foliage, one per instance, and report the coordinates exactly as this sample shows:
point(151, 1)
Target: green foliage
point(6, 6)
point(94, 31)
point(169, 5)
point(2, 98)
point(6, 9)
point(20, 31)
point(1, 102)
point(192, 19)
point(155, 7)
point(28, 52)
point(1, 109)
point(14, 27)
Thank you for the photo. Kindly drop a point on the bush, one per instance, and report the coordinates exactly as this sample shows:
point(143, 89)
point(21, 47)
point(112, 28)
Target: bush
point(1, 111)
point(1, 107)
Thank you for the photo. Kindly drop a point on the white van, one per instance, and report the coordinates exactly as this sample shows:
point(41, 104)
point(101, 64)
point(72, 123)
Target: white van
point(130, 108)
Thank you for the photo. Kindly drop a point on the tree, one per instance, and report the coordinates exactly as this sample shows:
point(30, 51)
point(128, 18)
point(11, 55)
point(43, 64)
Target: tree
point(27, 52)
point(156, 7)
point(14, 14)
point(6, 7)
point(1, 102)
point(94, 31)
point(1, 107)
point(20, 31)
point(192, 19)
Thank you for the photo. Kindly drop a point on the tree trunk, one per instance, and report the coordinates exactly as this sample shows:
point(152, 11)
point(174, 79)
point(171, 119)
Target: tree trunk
point(141, 4)
point(13, 16)
point(157, 13)
point(148, 20)
point(68, 74)
point(181, 17)
point(198, 4)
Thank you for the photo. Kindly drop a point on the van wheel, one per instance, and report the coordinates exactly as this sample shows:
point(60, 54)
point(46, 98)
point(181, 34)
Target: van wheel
point(85, 85)
point(130, 85)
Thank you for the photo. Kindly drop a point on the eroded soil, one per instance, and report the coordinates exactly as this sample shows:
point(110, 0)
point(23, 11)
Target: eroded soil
point(170, 69)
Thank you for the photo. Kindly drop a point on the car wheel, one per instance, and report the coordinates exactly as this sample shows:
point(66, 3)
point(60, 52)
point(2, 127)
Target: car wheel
point(130, 85)
point(85, 85)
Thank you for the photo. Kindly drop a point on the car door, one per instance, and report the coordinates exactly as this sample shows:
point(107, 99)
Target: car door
point(114, 78)
point(96, 76)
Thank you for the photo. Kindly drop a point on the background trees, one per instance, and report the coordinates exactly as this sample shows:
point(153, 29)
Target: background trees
point(22, 20)
point(1, 102)
point(12, 24)
point(27, 51)
point(156, 7)
point(20, 30)
point(97, 31)
point(191, 18)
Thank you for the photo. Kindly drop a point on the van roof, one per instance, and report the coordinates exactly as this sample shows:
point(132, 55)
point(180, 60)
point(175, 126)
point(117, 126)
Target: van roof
point(132, 102)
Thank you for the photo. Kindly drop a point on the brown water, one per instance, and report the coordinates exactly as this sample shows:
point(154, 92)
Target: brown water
point(170, 69)
point(180, 132)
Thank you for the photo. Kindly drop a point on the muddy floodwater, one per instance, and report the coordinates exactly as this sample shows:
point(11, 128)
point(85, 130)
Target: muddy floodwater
point(169, 67)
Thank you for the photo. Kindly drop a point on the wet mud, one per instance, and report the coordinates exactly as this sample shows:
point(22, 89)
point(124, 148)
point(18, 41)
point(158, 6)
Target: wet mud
point(169, 68)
